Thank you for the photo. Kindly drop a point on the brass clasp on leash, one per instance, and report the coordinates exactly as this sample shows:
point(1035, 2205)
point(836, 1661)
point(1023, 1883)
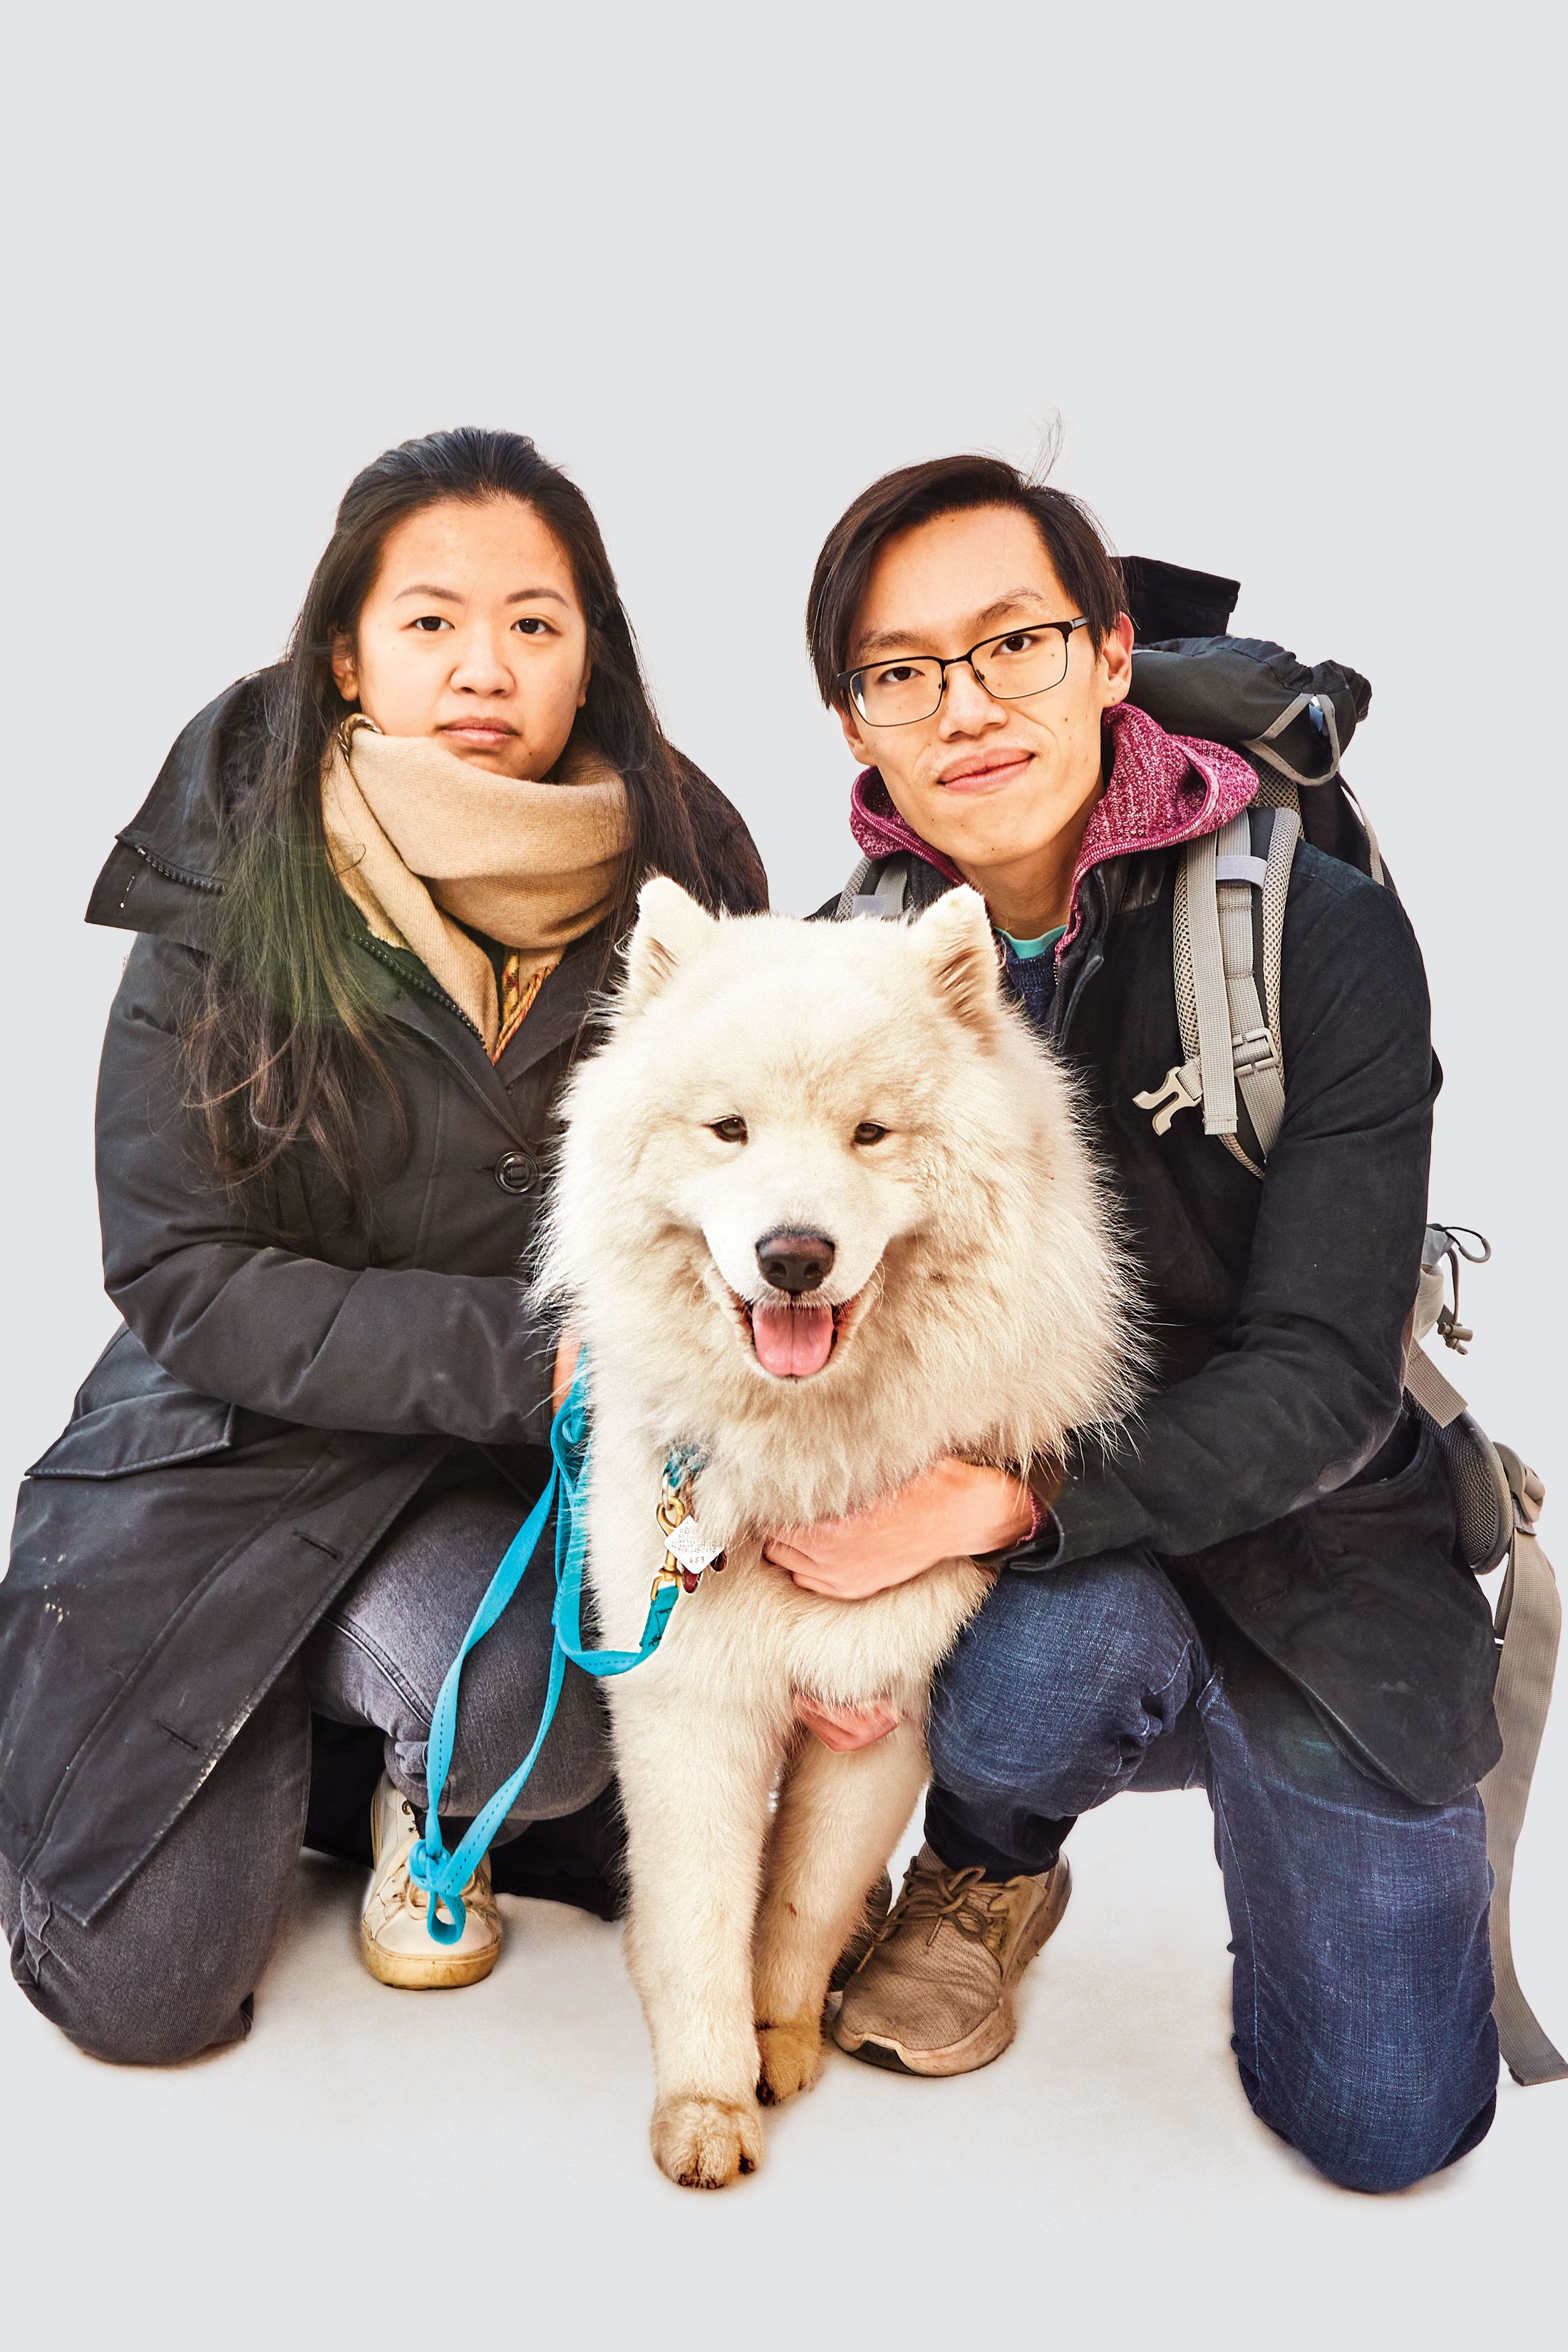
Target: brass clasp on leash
point(672, 1513)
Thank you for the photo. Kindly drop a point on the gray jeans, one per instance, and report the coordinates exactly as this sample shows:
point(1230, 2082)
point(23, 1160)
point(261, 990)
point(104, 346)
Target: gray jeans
point(167, 1969)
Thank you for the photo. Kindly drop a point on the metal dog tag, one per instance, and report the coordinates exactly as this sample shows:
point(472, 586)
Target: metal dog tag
point(687, 1543)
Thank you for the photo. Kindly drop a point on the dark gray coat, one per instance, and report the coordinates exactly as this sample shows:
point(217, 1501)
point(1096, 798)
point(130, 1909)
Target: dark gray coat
point(285, 1377)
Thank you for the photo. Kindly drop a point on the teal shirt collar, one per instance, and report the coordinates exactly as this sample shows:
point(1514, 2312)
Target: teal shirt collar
point(1027, 949)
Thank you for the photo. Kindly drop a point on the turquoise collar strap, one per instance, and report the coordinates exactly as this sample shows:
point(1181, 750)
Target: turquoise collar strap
point(442, 1876)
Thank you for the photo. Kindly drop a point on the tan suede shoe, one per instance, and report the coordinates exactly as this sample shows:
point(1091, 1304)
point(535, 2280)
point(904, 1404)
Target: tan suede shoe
point(398, 1947)
point(934, 1993)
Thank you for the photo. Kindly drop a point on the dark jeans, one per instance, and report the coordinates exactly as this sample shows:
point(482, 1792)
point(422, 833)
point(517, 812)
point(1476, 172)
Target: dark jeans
point(166, 1969)
point(1363, 1985)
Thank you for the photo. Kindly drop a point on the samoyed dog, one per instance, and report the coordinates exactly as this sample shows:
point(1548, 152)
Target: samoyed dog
point(824, 1213)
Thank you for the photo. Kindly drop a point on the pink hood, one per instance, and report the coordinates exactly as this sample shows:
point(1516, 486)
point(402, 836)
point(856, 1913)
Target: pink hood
point(1163, 789)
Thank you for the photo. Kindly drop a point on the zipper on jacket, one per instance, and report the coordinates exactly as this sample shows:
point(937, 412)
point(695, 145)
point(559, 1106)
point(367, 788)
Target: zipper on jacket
point(1093, 958)
point(421, 980)
point(173, 873)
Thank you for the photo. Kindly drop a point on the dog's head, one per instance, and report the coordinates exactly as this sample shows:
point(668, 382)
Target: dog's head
point(792, 1130)
point(813, 1148)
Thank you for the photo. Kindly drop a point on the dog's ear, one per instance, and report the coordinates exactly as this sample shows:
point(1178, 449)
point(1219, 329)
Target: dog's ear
point(671, 929)
point(955, 943)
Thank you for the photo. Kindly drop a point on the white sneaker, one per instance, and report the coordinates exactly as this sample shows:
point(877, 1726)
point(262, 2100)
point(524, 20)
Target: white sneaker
point(397, 1946)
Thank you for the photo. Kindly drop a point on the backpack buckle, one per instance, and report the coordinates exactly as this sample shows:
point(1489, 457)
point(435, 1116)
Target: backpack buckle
point(1179, 1089)
point(1254, 1050)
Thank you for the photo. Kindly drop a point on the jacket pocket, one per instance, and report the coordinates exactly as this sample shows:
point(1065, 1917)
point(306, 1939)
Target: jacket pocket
point(1408, 1519)
point(141, 1432)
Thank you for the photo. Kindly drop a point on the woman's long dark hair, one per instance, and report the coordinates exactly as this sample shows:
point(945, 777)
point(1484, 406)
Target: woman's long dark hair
point(286, 1032)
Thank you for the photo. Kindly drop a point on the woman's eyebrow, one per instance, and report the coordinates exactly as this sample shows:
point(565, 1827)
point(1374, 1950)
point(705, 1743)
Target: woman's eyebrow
point(451, 596)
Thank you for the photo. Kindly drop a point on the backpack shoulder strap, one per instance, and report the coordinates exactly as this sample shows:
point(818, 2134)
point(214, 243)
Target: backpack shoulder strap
point(1227, 956)
point(1529, 1619)
point(1227, 973)
point(878, 886)
point(1498, 1501)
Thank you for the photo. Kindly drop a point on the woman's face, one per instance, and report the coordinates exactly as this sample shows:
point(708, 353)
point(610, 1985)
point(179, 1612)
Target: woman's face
point(472, 632)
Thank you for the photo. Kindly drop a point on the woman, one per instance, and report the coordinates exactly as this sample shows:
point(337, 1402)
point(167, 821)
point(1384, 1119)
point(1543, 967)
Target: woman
point(375, 890)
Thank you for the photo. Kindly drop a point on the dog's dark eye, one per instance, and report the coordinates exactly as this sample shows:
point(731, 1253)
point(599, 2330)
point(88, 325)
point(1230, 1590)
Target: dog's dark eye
point(729, 1130)
point(870, 1132)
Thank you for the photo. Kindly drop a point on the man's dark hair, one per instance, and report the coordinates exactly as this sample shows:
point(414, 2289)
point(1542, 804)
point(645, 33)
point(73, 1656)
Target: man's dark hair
point(917, 494)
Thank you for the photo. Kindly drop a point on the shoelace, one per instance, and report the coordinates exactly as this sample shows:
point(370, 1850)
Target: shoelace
point(959, 1896)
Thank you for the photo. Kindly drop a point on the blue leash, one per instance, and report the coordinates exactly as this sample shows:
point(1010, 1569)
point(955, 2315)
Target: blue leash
point(442, 1876)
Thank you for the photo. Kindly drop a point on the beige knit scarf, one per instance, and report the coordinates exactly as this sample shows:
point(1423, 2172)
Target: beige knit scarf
point(419, 837)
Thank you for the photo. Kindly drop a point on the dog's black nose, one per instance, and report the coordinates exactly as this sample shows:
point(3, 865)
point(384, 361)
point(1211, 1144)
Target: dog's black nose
point(795, 1262)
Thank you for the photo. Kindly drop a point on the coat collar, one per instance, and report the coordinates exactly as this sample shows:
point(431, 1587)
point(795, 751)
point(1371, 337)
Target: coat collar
point(1163, 789)
point(562, 1009)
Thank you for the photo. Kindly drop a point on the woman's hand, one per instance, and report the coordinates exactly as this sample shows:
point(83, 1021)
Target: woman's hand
point(845, 1728)
point(951, 1511)
point(568, 1347)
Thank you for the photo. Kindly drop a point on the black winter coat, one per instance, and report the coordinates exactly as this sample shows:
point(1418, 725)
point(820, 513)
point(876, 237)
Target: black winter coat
point(286, 1379)
point(1279, 1310)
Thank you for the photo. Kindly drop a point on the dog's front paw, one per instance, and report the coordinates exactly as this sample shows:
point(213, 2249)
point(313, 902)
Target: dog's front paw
point(788, 2057)
point(706, 2143)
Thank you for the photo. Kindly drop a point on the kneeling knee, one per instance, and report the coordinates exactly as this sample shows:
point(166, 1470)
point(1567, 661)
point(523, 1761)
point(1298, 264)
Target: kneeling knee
point(972, 1756)
point(138, 2034)
point(1378, 2164)
point(158, 2045)
point(1061, 1689)
point(574, 1767)
point(1382, 2145)
point(553, 1796)
point(1060, 1752)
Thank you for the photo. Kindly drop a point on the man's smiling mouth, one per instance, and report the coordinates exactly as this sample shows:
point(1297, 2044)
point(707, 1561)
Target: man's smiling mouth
point(985, 774)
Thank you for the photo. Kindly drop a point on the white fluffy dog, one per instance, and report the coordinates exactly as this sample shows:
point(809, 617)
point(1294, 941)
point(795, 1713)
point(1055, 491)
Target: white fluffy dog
point(825, 1214)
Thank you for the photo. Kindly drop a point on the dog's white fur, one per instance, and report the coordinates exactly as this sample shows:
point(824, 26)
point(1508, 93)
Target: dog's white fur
point(991, 1316)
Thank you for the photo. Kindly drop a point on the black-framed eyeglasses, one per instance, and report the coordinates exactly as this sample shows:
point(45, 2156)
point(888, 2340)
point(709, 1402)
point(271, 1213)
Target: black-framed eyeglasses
point(1019, 662)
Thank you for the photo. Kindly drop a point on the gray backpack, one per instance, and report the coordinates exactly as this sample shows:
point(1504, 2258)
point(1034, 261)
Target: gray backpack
point(1229, 924)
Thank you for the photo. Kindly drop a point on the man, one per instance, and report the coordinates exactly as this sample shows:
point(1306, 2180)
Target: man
point(1259, 1587)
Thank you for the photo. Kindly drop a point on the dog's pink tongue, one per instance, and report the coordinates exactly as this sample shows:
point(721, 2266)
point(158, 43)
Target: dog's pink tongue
point(792, 1343)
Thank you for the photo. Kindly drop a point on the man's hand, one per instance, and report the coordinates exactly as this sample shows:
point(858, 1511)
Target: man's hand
point(950, 1511)
point(845, 1728)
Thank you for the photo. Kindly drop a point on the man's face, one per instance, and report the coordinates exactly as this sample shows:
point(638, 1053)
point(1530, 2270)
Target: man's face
point(989, 782)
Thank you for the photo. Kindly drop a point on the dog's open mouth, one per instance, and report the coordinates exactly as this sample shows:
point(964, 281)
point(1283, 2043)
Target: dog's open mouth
point(793, 1340)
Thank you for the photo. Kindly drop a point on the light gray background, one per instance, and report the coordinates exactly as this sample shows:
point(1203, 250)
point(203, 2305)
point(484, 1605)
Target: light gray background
point(1287, 278)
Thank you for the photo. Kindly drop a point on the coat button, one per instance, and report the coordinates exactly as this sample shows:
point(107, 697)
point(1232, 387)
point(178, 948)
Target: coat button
point(515, 1172)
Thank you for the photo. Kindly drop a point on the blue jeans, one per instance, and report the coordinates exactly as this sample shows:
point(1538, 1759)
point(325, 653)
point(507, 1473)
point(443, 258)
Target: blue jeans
point(1363, 1986)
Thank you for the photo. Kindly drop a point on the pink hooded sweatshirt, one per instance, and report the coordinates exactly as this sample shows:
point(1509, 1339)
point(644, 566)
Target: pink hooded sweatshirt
point(1163, 789)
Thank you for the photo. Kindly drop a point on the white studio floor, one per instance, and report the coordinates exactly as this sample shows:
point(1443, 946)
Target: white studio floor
point(380, 2165)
